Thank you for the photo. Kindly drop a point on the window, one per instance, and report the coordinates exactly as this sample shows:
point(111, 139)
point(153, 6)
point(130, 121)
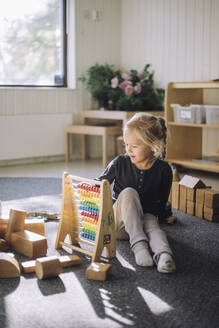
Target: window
point(33, 43)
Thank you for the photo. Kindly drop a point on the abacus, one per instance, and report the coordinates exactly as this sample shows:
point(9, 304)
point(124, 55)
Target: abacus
point(87, 217)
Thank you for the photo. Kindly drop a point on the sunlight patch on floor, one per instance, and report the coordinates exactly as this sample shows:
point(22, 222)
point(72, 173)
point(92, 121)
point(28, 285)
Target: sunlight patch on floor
point(115, 312)
point(155, 304)
point(123, 262)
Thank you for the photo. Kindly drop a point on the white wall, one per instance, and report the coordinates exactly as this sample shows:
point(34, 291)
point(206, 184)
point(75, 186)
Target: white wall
point(42, 135)
point(96, 41)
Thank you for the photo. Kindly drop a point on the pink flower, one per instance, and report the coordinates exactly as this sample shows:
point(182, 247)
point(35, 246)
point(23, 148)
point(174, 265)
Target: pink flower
point(129, 90)
point(124, 84)
point(114, 82)
point(139, 75)
point(126, 76)
point(137, 89)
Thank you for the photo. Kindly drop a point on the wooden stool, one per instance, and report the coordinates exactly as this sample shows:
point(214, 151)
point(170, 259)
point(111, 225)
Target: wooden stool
point(83, 130)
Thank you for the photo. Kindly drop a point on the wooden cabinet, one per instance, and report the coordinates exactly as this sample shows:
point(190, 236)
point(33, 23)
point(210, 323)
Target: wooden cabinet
point(184, 140)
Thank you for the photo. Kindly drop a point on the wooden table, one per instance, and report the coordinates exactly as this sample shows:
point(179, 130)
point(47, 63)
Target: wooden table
point(113, 115)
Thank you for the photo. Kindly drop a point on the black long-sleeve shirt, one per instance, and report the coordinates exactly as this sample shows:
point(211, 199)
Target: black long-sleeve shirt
point(153, 185)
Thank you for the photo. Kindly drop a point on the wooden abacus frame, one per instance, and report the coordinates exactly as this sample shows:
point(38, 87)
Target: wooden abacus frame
point(69, 222)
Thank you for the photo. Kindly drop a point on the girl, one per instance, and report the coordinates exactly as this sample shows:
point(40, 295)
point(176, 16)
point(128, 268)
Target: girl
point(142, 182)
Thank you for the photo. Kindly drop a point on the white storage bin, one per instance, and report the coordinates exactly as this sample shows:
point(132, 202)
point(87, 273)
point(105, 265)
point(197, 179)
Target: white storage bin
point(183, 114)
point(200, 116)
point(175, 108)
point(212, 114)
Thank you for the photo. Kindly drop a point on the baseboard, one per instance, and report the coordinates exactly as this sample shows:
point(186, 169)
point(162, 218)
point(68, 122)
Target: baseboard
point(39, 160)
point(32, 160)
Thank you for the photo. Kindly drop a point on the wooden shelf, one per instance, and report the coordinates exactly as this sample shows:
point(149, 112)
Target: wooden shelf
point(193, 165)
point(185, 140)
point(195, 85)
point(194, 125)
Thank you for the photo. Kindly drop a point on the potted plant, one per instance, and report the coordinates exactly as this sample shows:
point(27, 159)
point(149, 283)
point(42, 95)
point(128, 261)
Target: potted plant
point(135, 91)
point(97, 80)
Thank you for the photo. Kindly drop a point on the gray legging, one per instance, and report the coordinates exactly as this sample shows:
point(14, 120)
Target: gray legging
point(134, 225)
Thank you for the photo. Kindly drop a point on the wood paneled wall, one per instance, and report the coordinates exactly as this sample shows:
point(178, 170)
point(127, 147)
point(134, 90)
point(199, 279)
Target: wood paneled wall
point(179, 38)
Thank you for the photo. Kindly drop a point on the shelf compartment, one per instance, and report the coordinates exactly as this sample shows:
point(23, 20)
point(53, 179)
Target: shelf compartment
point(183, 143)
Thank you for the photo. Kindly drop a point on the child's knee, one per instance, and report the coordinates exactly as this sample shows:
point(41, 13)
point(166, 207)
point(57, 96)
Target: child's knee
point(129, 192)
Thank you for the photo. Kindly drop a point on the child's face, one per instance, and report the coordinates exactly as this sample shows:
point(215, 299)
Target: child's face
point(137, 150)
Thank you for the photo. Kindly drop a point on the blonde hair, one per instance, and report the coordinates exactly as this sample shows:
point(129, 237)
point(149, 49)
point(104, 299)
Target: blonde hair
point(151, 130)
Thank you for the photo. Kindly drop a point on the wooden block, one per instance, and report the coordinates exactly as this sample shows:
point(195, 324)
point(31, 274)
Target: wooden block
point(190, 194)
point(175, 195)
point(199, 210)
point(170, 196)
point(15, 223)
point(35, 225)
point(190, 207)
point(176, 177)
point(200, 196)
point(211, 217)
point(3, 227)
point(211, 211)
point(28, 266)
point(29, 243)
point(69, 260)
point(4, 246)
point(182, 198)
point(65, 260)
point(48, 267)
point(98, 271)
point(9, 266)
point(171, 219)
point(191, 183)
point(212, 198)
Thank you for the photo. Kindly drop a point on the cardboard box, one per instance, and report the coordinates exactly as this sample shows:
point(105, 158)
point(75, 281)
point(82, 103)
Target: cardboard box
point(182, 198)
point(211, 198)
point(199, 210)
point(190, 207)
point(175, 195)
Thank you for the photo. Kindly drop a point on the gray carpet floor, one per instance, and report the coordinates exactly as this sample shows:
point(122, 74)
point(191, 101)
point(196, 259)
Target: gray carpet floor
point(132, 296)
